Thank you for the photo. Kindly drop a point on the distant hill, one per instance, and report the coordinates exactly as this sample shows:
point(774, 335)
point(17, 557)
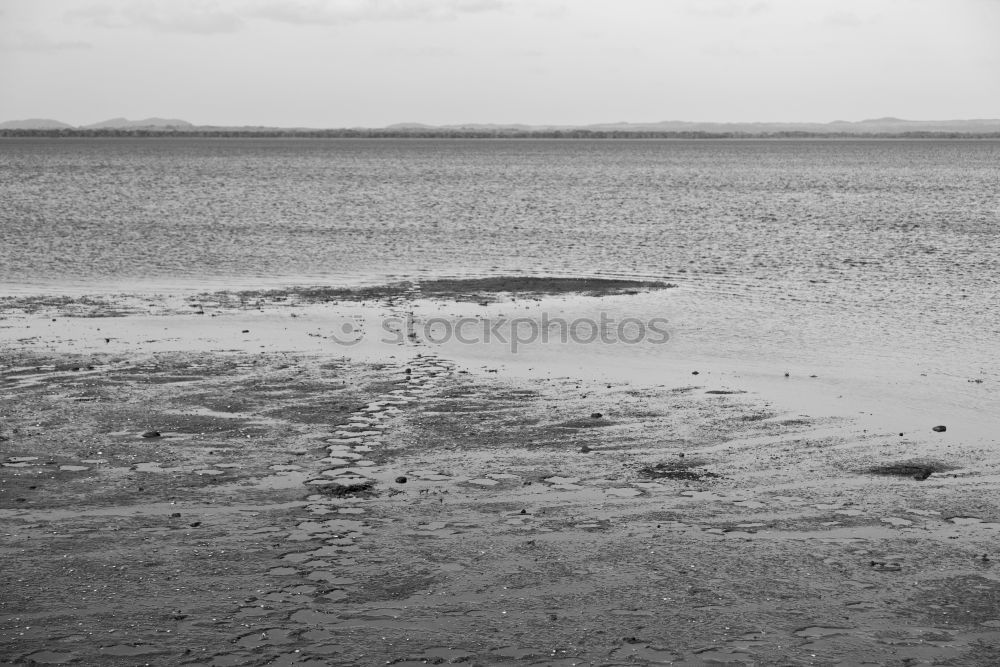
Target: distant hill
point(872, 126)
point(34, 124)
point(875, 127)
point(126, 124)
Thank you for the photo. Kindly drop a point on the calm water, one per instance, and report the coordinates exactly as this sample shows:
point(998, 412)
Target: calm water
point(884, 255)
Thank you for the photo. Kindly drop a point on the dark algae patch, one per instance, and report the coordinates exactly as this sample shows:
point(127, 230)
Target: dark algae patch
point(458, 289)
point(679, 469)
point(916, 468)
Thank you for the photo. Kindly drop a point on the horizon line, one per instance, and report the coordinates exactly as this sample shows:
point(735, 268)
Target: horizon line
point(184, 122)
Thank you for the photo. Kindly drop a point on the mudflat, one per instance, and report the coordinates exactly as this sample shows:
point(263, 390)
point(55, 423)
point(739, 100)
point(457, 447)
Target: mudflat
point(182, 487)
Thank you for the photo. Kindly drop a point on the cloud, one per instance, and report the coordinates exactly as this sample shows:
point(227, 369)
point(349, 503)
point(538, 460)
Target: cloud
point(187, 17)
point(223, 16)
point(37, 42)
point(726, 9)
point(422, 52)
point(843, 20)
point(335, 12)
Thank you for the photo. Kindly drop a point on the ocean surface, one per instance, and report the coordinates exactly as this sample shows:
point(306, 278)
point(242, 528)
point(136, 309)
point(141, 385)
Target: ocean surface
point(841, 258)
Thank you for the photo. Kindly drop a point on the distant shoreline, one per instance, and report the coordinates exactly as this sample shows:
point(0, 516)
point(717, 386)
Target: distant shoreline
point(472, 134)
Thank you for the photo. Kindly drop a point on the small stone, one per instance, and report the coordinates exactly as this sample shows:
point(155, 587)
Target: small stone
point(401, 479)
point(585, 449)
point(195, 524)
point(694, 372)
point(596, 415)
point(151, 434)
point(940, 428)
point(175, 515)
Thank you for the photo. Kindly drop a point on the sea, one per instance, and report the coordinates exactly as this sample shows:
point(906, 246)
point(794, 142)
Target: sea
point(870, 267)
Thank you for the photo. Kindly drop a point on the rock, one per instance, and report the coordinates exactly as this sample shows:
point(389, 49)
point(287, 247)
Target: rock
point(175, 515)
point(596, 415)
point(940, 428)
point(401, 479)
point(694, 372)
point(151, 434)
point(585, 449)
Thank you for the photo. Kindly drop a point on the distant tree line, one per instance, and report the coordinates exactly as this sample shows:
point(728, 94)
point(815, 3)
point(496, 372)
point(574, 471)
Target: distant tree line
point(500, 133)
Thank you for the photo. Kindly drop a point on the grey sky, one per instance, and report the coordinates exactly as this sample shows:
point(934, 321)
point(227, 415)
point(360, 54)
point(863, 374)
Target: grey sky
point(343, 63)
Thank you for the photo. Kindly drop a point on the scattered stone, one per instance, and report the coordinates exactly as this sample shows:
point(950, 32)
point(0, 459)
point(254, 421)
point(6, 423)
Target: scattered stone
point(151, 434)
point(940, 428)
point(883, 566)
point(401, 479)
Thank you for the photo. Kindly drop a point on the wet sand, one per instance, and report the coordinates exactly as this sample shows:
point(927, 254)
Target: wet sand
point(296, 504)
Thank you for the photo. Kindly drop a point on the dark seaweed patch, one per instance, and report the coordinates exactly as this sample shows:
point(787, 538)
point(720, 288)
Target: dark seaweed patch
point(363, 489)
point(587, 422)
point(680, 469)
point(918, 469)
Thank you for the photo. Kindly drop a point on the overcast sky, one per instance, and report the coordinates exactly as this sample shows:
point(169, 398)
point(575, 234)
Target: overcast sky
point(346, 63)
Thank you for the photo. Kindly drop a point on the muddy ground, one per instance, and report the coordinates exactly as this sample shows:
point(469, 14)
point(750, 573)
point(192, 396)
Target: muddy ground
point(303, 509)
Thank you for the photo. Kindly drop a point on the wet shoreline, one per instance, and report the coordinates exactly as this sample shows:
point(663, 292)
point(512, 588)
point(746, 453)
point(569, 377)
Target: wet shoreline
point(400, 507)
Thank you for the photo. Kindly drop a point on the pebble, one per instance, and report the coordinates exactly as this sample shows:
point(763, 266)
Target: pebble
point(151, 434)
point(401, 479)
point(940, 429)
